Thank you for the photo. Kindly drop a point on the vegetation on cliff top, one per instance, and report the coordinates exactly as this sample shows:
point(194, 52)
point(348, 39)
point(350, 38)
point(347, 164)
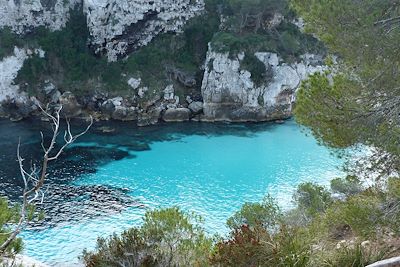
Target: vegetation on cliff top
point(70, 64)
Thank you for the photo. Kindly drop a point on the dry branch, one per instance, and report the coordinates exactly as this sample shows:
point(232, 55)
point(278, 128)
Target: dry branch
point(34, 178)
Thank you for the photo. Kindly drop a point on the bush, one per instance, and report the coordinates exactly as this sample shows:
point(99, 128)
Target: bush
point(258, 70)
point(391, 205)
point(361, 213)
point(262, 236)
point(354, 256)
point(393, 187)
point(312, 198)
point(265, 214)
point(8, 215)
point(348, 186)
point(167, 237)
point(8, 40)
point(257, 247)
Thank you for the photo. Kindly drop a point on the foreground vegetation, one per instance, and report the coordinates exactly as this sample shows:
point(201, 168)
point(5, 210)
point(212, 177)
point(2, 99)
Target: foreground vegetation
point(355, 104)
point(345, 226)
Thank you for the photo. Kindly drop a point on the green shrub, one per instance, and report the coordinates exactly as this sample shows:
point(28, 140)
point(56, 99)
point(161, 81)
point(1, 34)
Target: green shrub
point(8, 215)
point(8, 40)
point(167, 237)
point(393, 187)
point(391, 205)
point(361, 213)
point(353, 256)
point(257, 247)
point(250, 43)
point(312, 198)
point(348, 186)
point(258, 70)
point(266, 214)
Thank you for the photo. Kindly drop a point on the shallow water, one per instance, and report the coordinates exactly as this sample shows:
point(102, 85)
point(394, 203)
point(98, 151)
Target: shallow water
point(105, 183)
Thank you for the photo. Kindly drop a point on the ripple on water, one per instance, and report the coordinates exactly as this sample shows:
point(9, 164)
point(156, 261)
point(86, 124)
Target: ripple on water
point(211, 169)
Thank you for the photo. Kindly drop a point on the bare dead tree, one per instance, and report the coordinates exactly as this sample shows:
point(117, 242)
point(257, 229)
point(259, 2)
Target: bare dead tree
point(34, 179)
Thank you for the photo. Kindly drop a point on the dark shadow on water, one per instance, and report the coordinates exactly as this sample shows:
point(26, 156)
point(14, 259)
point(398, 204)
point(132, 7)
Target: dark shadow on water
point(105, 142)
point(66, 203)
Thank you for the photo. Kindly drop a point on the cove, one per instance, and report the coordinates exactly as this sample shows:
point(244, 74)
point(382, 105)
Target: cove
point(108, 180)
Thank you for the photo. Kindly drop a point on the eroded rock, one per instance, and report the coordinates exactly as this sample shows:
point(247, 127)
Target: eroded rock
point(70, 105)
point(177, 115)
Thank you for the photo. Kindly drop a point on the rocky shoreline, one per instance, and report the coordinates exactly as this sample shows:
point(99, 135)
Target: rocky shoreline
point(227, 94)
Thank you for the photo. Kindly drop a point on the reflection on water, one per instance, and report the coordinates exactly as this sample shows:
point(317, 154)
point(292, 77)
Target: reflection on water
point(106, 181)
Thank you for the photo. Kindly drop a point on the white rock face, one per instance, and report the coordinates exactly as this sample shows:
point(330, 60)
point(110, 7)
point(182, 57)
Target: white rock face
point(169, 92)
point(134, 83)
point(229, 94)
point(23, 15)
point(9, 68)
point(116, 26)
point(119, 25)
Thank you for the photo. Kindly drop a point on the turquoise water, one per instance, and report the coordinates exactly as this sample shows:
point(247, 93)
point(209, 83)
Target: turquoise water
point(210, 174)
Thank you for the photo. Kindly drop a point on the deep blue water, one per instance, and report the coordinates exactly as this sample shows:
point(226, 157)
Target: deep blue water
point(105, 182)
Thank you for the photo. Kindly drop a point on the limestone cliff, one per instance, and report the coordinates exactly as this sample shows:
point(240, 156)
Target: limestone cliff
point(186, 80)
point(229, 94)
point(116, 26)
point(23, 15)
point(119, 26)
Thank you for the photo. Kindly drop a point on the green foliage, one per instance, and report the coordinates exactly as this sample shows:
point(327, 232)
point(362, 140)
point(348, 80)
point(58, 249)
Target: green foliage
point(257, 247)
point(355, 256)
point(316, 109)
point(167, 237)
point(258, 70)
point(391, 205)
point(8, 41)
point(361, 213)
point(286, 40)
point(262, 236)
point(393, 187)
point(265, 214)
point(359, 105)
point(8, 215)
point(312, 198)
point(348, 186)
point(246, 30)
point(71, 65)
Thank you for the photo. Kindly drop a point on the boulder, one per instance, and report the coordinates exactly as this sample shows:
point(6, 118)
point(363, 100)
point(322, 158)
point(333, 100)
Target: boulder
point(124, 113)
point(134, 83)
point(177, 115)
point(169, 92)
point(196, 107)
point(107, 107)
point(142, 91)
point(149, 117)
point(71, 107)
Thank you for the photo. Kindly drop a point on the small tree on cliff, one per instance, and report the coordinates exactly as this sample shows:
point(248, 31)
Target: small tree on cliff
point(33, 181)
